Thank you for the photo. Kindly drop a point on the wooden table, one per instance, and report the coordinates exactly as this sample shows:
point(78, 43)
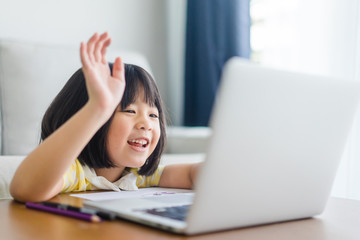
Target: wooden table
point(340, 221)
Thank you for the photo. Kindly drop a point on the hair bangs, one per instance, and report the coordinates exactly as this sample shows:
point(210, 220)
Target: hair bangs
point(137, 80)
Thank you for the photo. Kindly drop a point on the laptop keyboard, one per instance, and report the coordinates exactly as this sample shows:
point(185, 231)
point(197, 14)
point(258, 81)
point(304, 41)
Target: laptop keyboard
point(176, 212)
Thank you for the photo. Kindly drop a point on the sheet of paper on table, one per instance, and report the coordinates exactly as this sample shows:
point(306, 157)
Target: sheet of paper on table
point(143, 192)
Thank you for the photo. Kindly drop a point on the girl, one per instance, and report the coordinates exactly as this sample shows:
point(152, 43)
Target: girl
point(104, 130)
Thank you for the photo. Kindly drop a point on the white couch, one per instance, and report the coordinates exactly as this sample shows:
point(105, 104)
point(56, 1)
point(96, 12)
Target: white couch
point(31, 75)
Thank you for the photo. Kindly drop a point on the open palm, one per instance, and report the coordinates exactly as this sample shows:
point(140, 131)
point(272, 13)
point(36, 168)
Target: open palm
point(104, 90)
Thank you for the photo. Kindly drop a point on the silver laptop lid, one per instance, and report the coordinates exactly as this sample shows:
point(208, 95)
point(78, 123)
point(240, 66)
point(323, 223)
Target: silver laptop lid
point(277, 140)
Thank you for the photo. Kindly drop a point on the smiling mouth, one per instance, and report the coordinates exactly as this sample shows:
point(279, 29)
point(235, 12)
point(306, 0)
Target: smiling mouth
point(138, 142)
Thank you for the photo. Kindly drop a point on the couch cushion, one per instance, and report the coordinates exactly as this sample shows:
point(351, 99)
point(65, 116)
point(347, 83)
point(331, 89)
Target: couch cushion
point(8, 166)
point(180, 158)
point(188, 139)
point(30, 77)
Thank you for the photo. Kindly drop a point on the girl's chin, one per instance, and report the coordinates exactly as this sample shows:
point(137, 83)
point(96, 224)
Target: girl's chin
point(136, 164)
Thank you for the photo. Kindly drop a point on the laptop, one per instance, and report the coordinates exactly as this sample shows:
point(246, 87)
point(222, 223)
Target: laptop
point(277, 141)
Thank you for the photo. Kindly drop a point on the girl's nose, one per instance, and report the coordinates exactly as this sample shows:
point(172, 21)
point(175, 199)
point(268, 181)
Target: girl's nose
point(143, 124)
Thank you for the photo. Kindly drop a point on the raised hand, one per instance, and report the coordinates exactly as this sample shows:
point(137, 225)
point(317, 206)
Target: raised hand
point(105, 90)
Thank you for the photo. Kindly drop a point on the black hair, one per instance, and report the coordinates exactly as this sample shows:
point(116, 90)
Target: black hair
point(73, 97)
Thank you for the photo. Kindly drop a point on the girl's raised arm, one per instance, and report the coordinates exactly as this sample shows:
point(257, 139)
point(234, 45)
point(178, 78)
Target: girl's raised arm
point(39, 176)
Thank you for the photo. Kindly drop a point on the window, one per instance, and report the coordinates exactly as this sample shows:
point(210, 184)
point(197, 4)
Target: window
point(272, 30)
point(319, 37)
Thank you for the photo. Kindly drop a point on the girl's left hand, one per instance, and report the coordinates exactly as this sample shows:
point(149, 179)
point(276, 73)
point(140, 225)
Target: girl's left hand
point(105, 90)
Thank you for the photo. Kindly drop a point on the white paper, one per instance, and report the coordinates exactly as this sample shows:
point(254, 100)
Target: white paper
point(143, 192)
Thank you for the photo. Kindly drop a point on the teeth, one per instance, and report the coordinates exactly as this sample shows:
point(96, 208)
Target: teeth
point(142, 142)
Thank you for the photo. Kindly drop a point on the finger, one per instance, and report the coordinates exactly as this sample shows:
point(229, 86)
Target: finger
point(119, 69)
point(83, 55)
point(103, 50)
point(99, 45)
point(90, 46)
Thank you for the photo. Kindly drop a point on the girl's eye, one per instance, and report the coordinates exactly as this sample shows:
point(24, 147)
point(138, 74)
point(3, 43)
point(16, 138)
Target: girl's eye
point(153, 115)
point(129, 111)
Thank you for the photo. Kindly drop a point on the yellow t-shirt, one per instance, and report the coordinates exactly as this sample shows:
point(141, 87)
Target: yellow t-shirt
point(76, 181)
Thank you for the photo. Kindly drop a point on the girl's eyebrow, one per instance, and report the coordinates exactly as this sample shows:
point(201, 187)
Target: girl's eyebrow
point(153, 107)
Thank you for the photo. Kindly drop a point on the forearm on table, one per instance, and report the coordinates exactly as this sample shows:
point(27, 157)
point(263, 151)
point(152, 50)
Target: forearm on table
point(179, 175)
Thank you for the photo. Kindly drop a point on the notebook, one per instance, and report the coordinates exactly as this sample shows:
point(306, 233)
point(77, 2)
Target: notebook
point(277, 141)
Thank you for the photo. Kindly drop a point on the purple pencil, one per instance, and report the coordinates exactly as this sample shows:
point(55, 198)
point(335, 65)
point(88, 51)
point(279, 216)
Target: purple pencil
point(73, 214)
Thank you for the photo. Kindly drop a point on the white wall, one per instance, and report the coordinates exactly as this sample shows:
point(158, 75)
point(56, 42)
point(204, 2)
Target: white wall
point(138, 25)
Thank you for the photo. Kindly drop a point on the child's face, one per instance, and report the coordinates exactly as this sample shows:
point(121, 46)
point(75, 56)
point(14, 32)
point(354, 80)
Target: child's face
point(133, 133)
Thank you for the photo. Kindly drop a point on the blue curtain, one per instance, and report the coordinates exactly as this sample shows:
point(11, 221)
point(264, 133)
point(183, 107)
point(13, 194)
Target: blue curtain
point(216, 30)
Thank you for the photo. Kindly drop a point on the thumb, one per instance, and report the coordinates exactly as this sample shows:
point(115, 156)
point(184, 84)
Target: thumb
point(118, 69)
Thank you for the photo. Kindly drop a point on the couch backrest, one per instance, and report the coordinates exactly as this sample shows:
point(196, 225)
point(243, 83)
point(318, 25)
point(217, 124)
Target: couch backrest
point(30, 77)
point(8, 166)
